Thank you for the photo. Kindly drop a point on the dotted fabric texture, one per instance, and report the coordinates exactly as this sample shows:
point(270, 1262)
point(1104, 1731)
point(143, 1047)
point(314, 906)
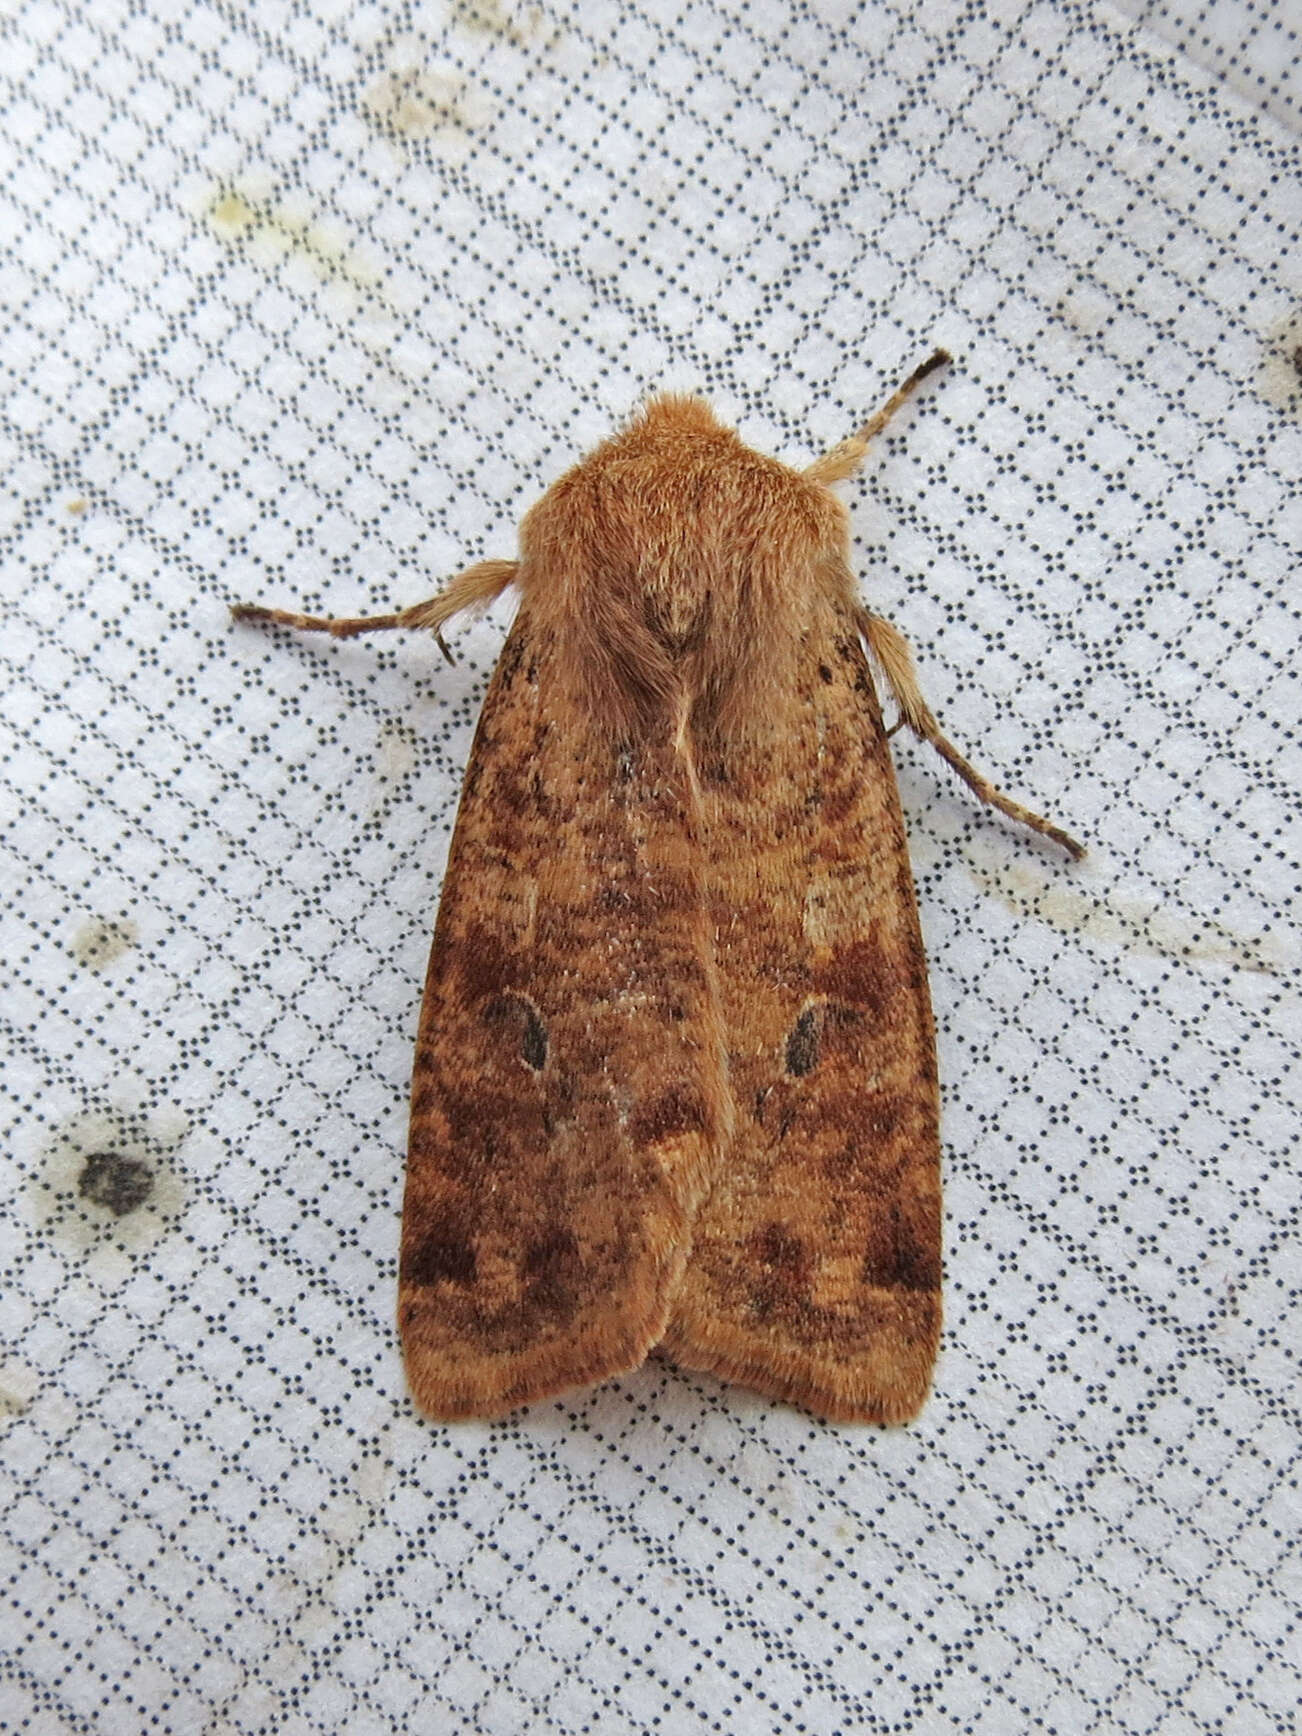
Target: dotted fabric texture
point(305, 304)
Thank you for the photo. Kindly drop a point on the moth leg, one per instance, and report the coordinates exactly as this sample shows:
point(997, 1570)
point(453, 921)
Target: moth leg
point(478, 584)
point(845, 458)
point(891, 651)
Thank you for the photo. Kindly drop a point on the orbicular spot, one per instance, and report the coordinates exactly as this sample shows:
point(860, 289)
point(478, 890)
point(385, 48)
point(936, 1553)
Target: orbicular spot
point(122, 1184)
point(805, 1043)
point(517, 1015)
point(442, 1255)
point(824, 672)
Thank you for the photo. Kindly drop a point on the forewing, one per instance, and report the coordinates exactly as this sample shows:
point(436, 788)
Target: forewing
point(815, 1268)
point(568, 1086)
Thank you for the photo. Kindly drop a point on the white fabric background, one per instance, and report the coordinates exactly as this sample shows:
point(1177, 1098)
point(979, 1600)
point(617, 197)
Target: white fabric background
point(308, 302)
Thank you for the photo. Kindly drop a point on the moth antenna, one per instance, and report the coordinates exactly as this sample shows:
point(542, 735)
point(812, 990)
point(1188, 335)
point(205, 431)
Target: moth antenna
point(475, 586)
point(894, 657)
point(844, 459)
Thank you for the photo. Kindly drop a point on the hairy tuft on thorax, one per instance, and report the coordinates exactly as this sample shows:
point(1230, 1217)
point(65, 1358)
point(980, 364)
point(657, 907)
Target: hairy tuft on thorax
point(679, 570)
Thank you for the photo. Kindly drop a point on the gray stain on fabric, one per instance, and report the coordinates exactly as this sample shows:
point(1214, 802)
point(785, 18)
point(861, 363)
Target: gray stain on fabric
point(100, 942)
point(111, 1178)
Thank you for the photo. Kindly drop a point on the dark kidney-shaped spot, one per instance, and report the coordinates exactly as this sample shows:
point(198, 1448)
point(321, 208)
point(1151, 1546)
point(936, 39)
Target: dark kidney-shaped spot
point(823, 1030)
point(519, 1015)
point(122, 1184)
point(533, 1045)
point(805, 1042)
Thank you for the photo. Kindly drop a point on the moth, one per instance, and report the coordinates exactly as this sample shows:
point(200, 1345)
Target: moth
point(675, 1078)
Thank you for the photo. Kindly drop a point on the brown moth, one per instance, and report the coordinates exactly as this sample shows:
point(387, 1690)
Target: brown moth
point(675, 1082)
